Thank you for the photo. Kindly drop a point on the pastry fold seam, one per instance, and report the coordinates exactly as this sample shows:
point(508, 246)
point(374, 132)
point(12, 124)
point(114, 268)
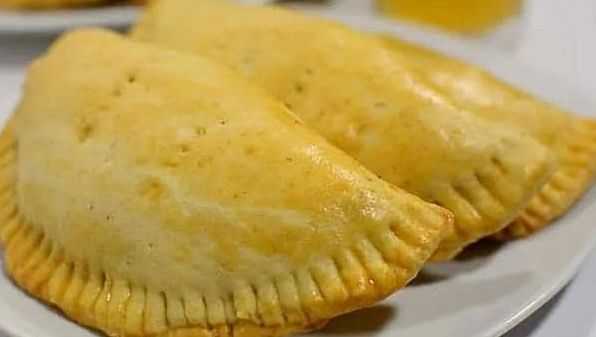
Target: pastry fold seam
point(482, 197)
point(301, 301)
point(571, 180)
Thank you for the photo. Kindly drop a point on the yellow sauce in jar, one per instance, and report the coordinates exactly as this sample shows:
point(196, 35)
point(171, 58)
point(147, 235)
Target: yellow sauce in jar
point(461, 16)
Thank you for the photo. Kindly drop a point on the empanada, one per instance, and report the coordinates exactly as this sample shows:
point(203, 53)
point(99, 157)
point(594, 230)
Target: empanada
point(573, 139)
point(152, 193)
point(350, 88)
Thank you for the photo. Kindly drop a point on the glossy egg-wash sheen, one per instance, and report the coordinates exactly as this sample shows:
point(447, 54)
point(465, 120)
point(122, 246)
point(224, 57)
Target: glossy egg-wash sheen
point(572, 138)
point(160, 195)
point(356, 93)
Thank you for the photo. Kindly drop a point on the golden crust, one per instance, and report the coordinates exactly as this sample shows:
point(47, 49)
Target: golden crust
point(573, 178)
point(7, 177)
point(93, 298)
point(289, 304)
point(572, 139)
point(48, 216)
point(349, 88)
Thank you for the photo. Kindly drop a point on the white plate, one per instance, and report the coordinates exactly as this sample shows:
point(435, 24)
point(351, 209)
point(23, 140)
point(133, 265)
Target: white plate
point(56, 21)
point(484, 295)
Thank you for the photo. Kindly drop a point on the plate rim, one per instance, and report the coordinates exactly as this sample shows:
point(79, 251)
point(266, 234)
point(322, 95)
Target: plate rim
point(459, 47)
point(462, 48)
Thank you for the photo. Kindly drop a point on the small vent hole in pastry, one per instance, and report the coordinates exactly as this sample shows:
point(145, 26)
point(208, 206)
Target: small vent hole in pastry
point(152, 188)
point(184, 148)
point(117, 92)
point(200, 131)
point(380, 105)
point(85, 130)
point(250, 150)
point(299, 87)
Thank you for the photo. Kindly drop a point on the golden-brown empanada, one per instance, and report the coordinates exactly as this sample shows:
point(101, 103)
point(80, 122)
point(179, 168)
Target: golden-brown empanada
point(573, 139)
point(153, 193)
point(350, 88)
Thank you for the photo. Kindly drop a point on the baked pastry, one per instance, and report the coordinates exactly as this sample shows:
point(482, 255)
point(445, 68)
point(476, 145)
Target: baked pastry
point(350, 88)
point(571, 138)
point(159, 195)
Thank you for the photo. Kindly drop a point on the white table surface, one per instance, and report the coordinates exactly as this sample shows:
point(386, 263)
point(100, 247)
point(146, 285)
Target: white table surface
point(558, 36)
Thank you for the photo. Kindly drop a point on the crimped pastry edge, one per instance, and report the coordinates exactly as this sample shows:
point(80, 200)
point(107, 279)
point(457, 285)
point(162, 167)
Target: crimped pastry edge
point(482, 198)
point(361, 275)
point(572, 179)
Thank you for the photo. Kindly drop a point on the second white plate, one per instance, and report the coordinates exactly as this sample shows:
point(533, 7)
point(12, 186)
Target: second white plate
point(56, 21)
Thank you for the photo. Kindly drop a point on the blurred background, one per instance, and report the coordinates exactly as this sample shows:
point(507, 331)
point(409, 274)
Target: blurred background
point(554, 35)
point(557, 37)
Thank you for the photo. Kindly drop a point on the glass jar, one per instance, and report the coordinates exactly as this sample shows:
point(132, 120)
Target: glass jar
point(472, 17)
